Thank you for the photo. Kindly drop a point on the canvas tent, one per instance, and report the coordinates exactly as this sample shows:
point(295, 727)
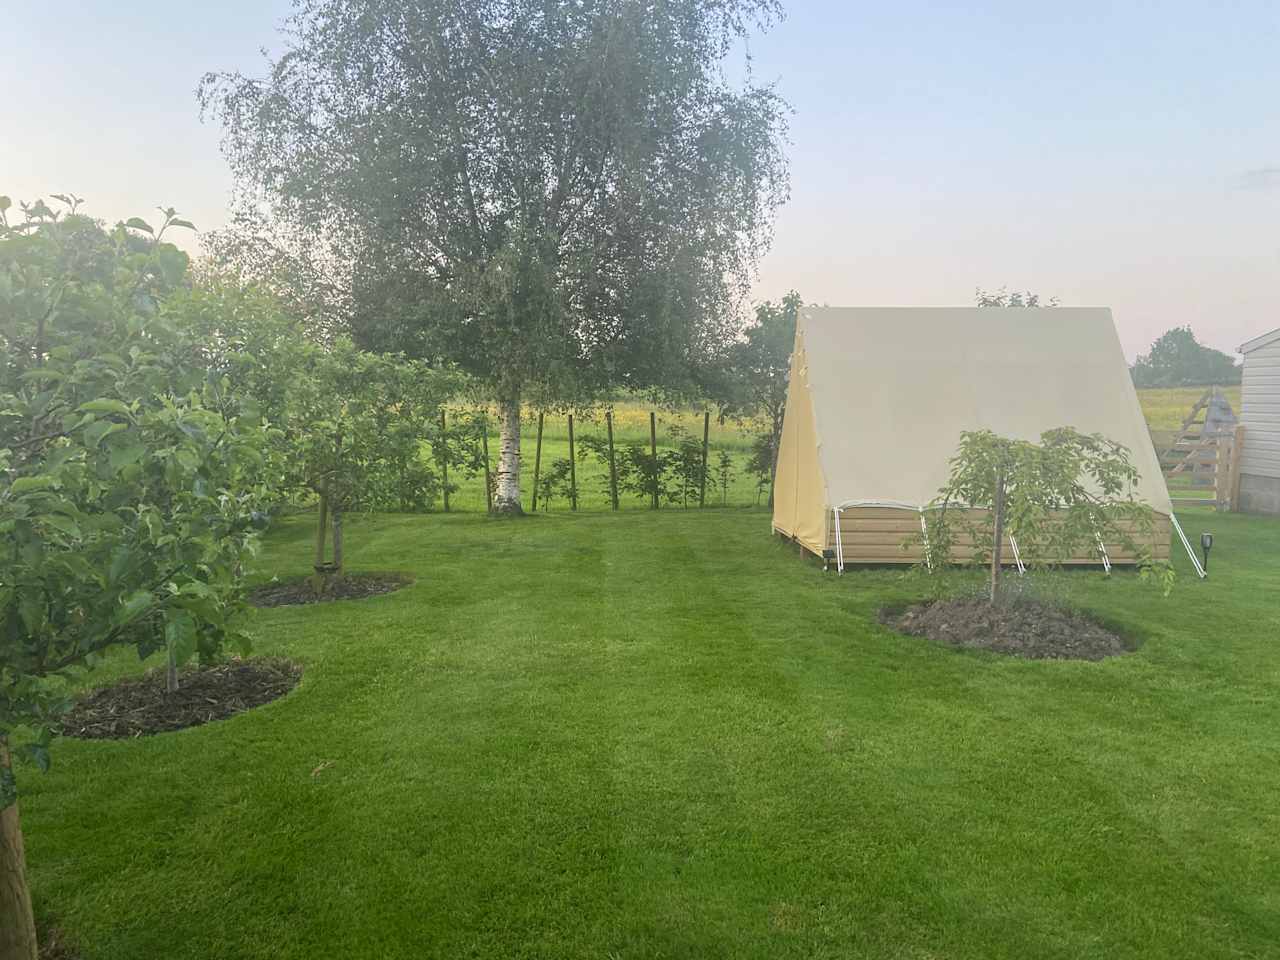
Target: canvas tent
point(879, 397)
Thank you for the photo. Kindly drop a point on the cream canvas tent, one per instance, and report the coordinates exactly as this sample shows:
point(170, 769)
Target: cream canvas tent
point(879, 398)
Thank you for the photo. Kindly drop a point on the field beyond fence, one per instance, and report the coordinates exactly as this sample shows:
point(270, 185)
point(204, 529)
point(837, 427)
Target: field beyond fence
point(730, 479)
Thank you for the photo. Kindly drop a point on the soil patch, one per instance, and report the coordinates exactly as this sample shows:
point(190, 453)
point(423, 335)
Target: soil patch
point(139, 706)
point(1023, 628)
point(353, 586)
point(54, 946)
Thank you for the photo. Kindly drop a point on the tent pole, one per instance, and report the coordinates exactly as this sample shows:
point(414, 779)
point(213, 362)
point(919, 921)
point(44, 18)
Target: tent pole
point(924, 535)
point(1017, 556)
point(1195, 561)
point(839, 545)
point(1102, 549)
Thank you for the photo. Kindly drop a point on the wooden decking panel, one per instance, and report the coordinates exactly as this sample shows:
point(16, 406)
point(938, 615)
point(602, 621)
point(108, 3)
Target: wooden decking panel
point(877, 535)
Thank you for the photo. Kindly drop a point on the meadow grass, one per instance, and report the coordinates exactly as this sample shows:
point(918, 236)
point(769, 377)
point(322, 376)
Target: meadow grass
point(666, 735)
point(630, 426)
point(1166, 408)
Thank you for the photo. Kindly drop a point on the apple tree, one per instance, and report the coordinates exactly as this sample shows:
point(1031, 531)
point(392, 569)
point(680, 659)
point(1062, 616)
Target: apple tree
point(129, 484)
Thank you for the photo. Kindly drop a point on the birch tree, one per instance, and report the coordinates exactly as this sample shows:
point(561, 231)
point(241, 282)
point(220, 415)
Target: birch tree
point(562, 198)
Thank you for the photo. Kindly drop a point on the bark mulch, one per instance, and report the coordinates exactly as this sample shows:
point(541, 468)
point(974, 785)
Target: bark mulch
point(1022, 628)
point(353, 586)
point(139, 706)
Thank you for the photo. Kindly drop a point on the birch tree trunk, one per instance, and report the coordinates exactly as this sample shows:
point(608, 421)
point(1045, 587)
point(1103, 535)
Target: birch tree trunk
point(17, 923)
point(507, 496)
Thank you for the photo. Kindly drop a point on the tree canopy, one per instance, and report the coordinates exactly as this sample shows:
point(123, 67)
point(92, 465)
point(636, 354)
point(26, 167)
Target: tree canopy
point(1055, 497)
point(753, 381)
point(353, 424)
point(1177, 359)
point(561, 198)
point(1011, 298)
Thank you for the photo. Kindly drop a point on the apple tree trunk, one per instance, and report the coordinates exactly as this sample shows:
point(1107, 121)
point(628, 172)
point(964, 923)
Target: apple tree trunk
point(997, 510)
point(17, 923)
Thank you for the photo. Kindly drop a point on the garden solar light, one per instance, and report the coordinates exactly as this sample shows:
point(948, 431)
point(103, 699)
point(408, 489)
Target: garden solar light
point(1206, 544)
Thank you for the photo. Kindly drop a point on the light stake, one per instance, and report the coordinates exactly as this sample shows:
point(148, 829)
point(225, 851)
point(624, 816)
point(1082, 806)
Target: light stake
point(1206, 544)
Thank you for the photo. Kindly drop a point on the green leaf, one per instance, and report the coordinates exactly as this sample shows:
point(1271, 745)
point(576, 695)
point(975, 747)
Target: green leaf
point(134, 606)
point(5, 204)
point(106, 405)
point(43, 375)
point(180, 636)
point(32, 610)
point(28, 484)
point(63, 524)
point(125, 455)
point(58, 456)
point(137, 223)
point(95, 433)
point(182, 223)
point(121, 557)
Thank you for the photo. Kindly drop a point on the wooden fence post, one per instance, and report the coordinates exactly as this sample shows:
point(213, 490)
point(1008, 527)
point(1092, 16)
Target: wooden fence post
point(573, 470)
point(613, 466)
point(537, 461)
point(706, 433)
point(484, 441)
point(444, 459)
point(653, 449)
point(1237, 451)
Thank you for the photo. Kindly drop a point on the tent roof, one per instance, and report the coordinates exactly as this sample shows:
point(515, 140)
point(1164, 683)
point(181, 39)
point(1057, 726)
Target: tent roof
point(893, 388)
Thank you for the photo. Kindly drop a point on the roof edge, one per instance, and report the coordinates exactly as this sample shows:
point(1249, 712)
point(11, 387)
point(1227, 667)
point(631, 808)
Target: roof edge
point(1259, 342)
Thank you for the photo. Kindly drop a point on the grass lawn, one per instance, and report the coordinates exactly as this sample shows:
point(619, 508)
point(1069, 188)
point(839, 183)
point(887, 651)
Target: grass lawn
point(644, 736)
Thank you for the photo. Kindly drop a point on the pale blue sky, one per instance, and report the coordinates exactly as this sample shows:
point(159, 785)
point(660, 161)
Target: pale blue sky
point(1120, 154)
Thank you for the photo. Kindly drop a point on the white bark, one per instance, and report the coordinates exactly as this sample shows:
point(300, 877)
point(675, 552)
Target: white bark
point(507, 496)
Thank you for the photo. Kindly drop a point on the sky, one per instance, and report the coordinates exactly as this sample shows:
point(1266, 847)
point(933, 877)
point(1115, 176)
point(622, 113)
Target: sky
point(1119, 154)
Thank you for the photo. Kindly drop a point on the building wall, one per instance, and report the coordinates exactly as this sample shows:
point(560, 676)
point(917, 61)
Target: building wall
point(1260, 414)
point(1259, 494)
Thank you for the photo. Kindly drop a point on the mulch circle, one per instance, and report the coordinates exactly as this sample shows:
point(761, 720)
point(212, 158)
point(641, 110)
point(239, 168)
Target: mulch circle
point(353, 586)
point(139, 706)
point(1022, 628)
